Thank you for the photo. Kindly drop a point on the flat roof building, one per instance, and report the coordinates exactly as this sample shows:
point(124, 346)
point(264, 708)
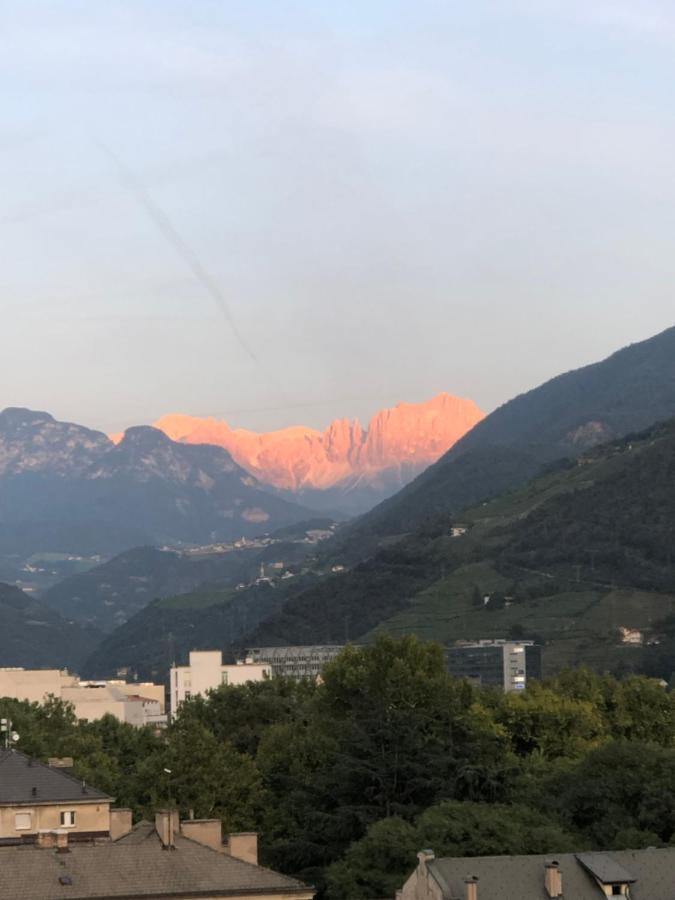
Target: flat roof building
point(495, 663)
point(136, 703)
point(206, 672)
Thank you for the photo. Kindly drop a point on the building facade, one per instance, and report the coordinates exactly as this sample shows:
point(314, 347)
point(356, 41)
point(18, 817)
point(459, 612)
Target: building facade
point(296, 662)
point(206, 672)
point(136, 703)
point(505, 664)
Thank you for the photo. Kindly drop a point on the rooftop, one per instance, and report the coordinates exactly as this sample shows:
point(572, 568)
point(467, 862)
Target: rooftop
point(136, 866)
point(26, 780)
point(650, 873)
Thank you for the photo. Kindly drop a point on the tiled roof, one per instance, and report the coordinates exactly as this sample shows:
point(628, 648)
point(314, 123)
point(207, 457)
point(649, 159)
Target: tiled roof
point(522, 877)
point(25, 780)
point(135, 867)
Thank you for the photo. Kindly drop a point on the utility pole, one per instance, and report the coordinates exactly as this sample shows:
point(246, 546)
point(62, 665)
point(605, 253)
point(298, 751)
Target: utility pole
point(11, 737)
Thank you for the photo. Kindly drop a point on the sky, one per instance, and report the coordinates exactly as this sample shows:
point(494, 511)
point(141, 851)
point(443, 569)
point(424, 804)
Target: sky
point(285, 212)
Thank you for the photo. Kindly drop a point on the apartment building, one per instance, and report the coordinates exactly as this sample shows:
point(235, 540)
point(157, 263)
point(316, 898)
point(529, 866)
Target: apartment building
point(206, 672)
point(505, 664)
point(136, 703)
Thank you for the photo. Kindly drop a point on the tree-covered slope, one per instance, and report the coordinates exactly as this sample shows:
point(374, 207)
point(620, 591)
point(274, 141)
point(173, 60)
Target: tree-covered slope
point(35, 636)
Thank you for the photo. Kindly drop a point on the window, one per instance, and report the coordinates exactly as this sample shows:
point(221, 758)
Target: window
point(188, 694)
point(616, 890)
point(223, 677)
point(22, 821)
point(68, 819)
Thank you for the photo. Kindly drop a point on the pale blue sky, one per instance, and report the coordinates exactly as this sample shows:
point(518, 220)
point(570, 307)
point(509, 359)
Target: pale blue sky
point(394, 199)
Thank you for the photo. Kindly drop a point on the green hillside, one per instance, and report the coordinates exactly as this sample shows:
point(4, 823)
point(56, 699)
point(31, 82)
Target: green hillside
point(570, 558)
point(34, 636)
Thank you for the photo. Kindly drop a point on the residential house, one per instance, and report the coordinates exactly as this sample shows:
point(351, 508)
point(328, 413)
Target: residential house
point(161, 860)
point(633, 874)
point(35, 797)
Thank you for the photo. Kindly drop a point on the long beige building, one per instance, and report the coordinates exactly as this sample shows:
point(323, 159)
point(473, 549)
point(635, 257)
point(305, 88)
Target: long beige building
point(137, 704)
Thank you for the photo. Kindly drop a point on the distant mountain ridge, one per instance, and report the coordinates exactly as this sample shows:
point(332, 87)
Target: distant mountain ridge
point(395, 447)
point(59, 480)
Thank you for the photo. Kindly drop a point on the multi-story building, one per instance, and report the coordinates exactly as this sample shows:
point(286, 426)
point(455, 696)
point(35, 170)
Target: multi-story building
point(505, 664)
point(296, 662)
point(135, 703)
point(35, 797)
point(206, 672)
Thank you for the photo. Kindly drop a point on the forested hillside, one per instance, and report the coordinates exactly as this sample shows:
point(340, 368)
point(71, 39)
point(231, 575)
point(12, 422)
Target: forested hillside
point(34, 636)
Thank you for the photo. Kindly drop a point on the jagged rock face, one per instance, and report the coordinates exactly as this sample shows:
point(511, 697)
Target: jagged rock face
point(398, 444)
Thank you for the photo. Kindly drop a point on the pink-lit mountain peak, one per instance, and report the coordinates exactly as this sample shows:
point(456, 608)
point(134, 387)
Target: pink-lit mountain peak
point(407, 438)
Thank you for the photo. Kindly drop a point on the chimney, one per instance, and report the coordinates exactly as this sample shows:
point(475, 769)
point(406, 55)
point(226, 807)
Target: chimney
point(208, 832)
point(243, 845)
point(60, 762)
point(471, 887)
point(553, 879)
point(167, 827)
point(424, 857)
point(61, 841)
point(45, 840)
point(120, 823)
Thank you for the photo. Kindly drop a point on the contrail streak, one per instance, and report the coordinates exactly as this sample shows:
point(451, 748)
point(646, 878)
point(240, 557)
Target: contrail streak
point(171, 235)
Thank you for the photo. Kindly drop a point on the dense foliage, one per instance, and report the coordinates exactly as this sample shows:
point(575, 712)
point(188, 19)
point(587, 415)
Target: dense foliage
point(347, 779)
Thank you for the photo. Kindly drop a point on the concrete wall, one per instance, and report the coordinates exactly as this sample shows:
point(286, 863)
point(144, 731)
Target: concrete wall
point(94, 816)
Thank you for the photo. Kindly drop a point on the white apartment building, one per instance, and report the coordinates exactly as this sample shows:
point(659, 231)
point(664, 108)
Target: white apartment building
point(207, 672)
point(137, 703)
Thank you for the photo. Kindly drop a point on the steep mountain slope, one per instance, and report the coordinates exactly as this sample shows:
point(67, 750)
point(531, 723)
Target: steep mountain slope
point(66, 484)
point(345, 465)
point(572, 558)
point(626, 392)
point(34, 636)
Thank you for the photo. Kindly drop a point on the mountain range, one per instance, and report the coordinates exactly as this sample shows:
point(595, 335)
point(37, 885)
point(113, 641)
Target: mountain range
point(346, 466)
